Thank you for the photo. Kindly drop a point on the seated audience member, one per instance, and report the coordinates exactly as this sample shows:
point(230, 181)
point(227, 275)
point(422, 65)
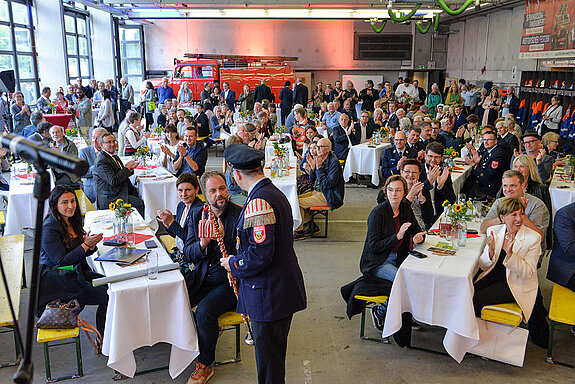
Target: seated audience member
point(188, 188)
point(506, 138)
point(394, 156)
point(327, 177)
point(310, 134)
point(237, 195)
point(266, 127)
point(42, 135)
point(437, 180)
point(257, 139)
point(435, 136)
point(392, 229)
point(192, 154)
point(122, 131)
point(380, 119)
point(413, 142)
point(311, 149)
point(341, 135)
point(62, 104)
point(534, 149)
point(64, 243)
point(425, 136)
point(218, 121)
point(451, 141)
point(90, 154)
point(207, 282)
point(4, 167)
point(169, 149)
point(460, 118)
point(348, 110)
point(63, 144)
point(298, 130)
point(362, 130)
point(112, 178)
point(550, 142)
point(562, 261)
point(485, 179)
point(466, 132)
point(134, 138)
point(404, 124)
point(43, 102)
point(509, 262)
point(417, 195)
point(35, 119)
point(162, 119)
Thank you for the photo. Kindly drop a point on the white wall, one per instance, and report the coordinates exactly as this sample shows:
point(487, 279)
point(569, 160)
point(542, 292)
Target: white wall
point(492, 41)
point(102, 45)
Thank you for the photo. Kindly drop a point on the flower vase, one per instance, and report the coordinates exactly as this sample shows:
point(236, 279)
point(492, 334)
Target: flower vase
point(121, 227)
point(144, 161)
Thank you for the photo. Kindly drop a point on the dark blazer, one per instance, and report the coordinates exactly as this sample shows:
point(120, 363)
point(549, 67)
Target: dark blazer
point(286, 100)
point(356, 136)
point(514, 105)
point(262, 92)
point(177, 230)
point(459, 121)
point(368, 100)
point(440, 139)
point(445, 193)
point(390, 159)
point(270, 280)
point(341, 143)
point(112, 181)
point(426, 208)
point(510, 141)
point(330, 178)
point(89, 154)
point(300, 95)
point(381, 236)
point(230, 100)
point(562, 261)
point(487, 174)
point(203, 124)
point(208, 261)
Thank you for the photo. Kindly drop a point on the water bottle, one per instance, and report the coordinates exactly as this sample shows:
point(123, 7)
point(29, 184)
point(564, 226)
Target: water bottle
point(130, 235)
point(274, 168)
point(462, 237)
point(443, 223)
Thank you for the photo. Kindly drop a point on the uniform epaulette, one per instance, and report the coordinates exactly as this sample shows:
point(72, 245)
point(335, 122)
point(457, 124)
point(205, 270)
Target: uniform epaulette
point(258, 212)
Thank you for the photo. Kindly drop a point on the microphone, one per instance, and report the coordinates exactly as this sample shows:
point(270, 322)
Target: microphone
point(32, 152)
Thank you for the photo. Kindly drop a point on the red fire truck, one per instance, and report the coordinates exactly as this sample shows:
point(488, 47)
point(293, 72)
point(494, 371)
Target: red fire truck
point(199, 69)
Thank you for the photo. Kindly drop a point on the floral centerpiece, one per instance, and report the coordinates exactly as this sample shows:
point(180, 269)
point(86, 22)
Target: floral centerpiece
point(279, 152)
point(142, 153)
point(71, 132)
point(122, 216)
point(52, 107)
point(312, 115)
point(570, 160)
point(244, 115)
point(450, 152)
point(159, 130)
point(459, 213)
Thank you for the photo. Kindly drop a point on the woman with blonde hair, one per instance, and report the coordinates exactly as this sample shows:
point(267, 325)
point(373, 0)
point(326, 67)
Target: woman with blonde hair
point(350, 93)
point(491, 106)
point(454, 96)
point(184, 95)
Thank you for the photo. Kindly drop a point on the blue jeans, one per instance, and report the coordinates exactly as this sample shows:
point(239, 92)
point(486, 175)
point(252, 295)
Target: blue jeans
point(388, 269)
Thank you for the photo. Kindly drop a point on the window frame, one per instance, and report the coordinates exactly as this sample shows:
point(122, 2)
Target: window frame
point(72, 10)
point(124, 59)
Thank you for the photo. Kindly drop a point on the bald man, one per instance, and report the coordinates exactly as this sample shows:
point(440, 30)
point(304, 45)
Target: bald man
point(394, 156)
point(90, 154)
point(329, 189)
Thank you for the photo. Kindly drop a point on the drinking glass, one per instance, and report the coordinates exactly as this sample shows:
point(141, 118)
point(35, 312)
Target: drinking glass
point(152, 265)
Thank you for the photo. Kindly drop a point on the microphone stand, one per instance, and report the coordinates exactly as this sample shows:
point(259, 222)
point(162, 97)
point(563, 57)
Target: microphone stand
point(25, 372)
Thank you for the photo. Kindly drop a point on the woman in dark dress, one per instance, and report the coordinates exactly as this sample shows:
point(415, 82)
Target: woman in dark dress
point(65, 244)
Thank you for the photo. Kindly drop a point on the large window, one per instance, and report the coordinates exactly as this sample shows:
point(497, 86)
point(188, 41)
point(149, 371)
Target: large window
point(78, 44)
point(132, 54)
point(16, 47)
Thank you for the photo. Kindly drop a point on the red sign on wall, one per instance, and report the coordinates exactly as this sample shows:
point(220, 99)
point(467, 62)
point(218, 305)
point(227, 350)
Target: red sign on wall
point(548, 29)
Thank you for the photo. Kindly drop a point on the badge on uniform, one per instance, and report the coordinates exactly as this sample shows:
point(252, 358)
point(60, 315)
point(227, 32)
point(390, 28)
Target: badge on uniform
point(260, 234)
point(494, 164)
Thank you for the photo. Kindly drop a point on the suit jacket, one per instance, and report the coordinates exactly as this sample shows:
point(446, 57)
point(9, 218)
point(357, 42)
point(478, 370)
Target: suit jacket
point(459, 121)
point(330, 178)
point(514, 105)
point(356, 137)
point(112, 180)
point(262, 92)
point(286, 100)
point(42, 105)
point(300, 95)
point(176, 229)
point(341, 142)
point(445, 193)
point(230, 100)
point(390, 159)
point(203, 124)
point(89, 154)
point(489, 171)
point(562, 261)
point(521, 264)
point(271, 282)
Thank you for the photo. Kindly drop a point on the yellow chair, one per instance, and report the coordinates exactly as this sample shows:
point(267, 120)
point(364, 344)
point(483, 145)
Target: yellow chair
point(368, 302)
point(507, 313)
point(201, 197)
point(45, 336)
point(228, 321)
point(2, 222)
point(84, 203)
point(561, 311)
point(169, 242)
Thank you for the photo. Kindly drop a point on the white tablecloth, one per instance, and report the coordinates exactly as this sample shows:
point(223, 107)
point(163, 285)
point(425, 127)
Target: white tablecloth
point(288, 185)
point(561, 196)
point(270, 149)
point(143, 312)
point(364, 160)
point(21, 210)
point(438, 290)
point(458, 177)
point(80, 142)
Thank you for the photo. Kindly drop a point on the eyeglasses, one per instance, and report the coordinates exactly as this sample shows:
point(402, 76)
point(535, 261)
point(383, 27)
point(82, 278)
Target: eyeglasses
point(322, 146)
point(110, 142)
point(529, 142)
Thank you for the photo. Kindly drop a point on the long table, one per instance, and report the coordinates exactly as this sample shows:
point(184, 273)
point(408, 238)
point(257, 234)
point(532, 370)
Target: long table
point(144, 312)
point(562, 190)
point(364, 159)
point(288, 185)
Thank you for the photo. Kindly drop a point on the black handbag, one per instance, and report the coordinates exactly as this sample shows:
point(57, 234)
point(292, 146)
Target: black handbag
point(60, 315)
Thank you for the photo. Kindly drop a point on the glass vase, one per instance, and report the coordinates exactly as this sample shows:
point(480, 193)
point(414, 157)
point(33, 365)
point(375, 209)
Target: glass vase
point(454, 235)
point(121, 227)
point(462, 233)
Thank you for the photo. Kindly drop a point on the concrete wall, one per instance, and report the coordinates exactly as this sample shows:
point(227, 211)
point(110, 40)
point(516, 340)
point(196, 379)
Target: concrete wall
point(492, 41)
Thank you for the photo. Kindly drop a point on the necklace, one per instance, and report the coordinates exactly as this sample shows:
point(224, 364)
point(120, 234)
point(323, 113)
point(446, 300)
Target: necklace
point(509, 237)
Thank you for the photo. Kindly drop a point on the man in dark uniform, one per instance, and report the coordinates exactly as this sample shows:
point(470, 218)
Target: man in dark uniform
point(208, 284)
point(271, 287)
point(485, 180)
point(392, 157)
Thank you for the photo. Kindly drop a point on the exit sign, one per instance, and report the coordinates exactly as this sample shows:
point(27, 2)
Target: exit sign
point(421, 67)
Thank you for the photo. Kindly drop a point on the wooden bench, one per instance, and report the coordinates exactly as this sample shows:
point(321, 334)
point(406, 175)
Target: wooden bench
point(368, 302)
point(46, 336)
point(228, 321)
point(561, 311)
point(12, 252)
point(322, 210)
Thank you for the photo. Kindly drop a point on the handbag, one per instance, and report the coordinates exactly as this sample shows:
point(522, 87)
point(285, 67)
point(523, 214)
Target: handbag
point(60, 315)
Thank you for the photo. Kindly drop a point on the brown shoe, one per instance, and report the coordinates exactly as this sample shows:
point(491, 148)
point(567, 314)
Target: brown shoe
point(299, 235)
point(202, 373)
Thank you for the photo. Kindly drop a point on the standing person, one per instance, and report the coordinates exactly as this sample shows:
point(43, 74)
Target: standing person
point(265, 260)
point(228, 96)
point(205, 94)
point(165, 91)
point(491, 105)
point(43, 102)
point(551, 117)
point(20, 112)
point(106, 113)
point(351, 94)
point(246, 100)
point(126, 97)
point(368, 95)
point(317, 97)
point(300, 93)
point(286, 101)
point(263, 92)
point(149, 97)
point(510, 103)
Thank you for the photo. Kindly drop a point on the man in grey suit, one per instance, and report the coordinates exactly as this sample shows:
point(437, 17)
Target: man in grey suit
point(111, 177)
point(43, 102)
point(90, 154)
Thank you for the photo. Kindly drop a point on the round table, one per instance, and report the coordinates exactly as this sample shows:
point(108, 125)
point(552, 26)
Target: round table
point(61, 119)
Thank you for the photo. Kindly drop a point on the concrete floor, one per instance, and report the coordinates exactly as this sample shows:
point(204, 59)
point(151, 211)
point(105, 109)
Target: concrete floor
point(324, 347)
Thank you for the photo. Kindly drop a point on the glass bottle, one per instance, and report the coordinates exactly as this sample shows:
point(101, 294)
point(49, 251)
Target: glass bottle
point(443, 223)
point(462, 233)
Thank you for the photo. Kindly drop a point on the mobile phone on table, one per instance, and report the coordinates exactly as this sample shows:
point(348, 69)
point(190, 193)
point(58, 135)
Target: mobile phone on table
point(150, 244)
point(114, 243)
point(417, 254)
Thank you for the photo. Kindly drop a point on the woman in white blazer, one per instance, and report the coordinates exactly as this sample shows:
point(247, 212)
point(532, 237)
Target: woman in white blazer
point(509, 261)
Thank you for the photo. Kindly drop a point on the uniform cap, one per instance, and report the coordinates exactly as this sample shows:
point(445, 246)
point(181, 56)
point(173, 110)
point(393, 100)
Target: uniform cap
point(242, 157)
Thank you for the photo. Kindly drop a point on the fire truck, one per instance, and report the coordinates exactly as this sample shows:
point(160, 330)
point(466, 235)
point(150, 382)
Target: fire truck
point(236, 70)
